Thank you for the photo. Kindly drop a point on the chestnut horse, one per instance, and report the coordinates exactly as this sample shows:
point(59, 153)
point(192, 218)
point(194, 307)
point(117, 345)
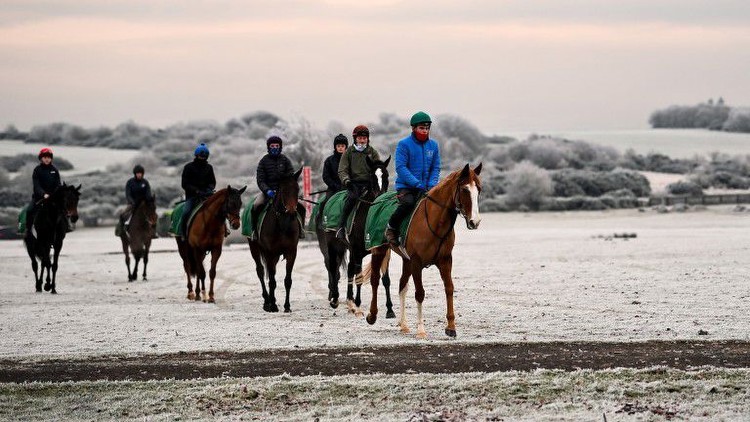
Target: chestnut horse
point(138, 235)
point(206, 234)
point(50, 224)
point(334, 249)
point(278, 236)
point(429, 241)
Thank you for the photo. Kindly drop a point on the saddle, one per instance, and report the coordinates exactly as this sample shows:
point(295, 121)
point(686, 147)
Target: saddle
point(249, 227)
point(377, 220)
point(177, 216)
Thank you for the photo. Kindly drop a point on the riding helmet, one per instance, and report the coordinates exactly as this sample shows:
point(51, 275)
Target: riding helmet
point(45, 152)
point(340, 139)
point(419, 118)
point(201, 151)
point(274, 140)
point(361, 130)
point(138, 169)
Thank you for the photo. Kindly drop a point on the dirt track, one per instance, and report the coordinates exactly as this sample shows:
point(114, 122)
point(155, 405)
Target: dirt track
point(446, 358)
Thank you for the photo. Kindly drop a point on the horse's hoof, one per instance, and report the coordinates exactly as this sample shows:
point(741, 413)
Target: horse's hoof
point(197, 298)
point(390, 314)
point(334, 303)
point(358, 313)
point(130, 280)
point(211, 300)
point(54, 292)
point(405, 329)
point(421, 336)
point(371, 319)
point(144, 278)
point(274, 308)
point(38, 289)
point(287, 310)
point(47, 287)
point(191, 296)
point(450, 333)
point(267, 307)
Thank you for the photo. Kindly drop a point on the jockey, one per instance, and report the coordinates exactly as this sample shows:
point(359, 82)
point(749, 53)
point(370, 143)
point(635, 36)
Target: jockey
point(198, 181)
point(46, 178)
point(331, 165)
point(417, 171)
point(137, 189)
point(354, 172)
point(271, 168)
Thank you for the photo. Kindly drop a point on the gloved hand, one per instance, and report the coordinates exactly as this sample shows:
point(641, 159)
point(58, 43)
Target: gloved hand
point(270, 193)
point(421, 186)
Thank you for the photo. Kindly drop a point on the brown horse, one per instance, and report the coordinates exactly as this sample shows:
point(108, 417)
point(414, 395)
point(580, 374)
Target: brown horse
point(50, 225)
point(430, 241)
point(138, 235)
point(279, 235)
point(334, 249)
point(206, 234)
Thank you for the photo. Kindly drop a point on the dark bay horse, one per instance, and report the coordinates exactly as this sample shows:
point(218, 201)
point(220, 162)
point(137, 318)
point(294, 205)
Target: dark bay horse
point(50, 224)
point(334, 249)
point(278, 236)
point(430, 241)
point(138, 235)
point(206, 234)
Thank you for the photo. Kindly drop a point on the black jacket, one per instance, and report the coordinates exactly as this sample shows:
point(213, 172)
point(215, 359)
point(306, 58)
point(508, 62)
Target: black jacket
point(331, 173)
point(198, 179)
point(271, 169)
point(46, 180)
point(137, 190)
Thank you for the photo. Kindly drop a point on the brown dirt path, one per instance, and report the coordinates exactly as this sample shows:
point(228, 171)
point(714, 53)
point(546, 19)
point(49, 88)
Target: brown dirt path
point(415, 358)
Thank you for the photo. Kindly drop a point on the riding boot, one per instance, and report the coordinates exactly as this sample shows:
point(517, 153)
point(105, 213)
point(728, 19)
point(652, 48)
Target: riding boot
point(253, 222)
point(226, 230)
point(391, 235)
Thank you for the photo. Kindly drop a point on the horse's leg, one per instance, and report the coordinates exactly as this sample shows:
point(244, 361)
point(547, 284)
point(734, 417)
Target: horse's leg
point(388, 303)
point(56, 256)
point(200, 274)
point(34, 265)
point(126, 251)
point(333, 261)
point(47, 264)
point(403, 288)
point(445, 266)
point(351, 272)
point(186, 256)
point(419, 297)
point(290, 258)
point(215, 255)
point(378, 255)
point(271, 267)
point(145, 258)
point(137, 256)
point(255, 252)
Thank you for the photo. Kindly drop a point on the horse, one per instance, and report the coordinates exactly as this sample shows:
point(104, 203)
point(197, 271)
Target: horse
point(334, 249)
point(206, 234)
point(51, 225)
point(429, 241)
point(138, 235)
point(278, 236)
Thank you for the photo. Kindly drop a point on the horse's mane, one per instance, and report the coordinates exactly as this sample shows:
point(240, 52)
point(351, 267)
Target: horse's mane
point(219, 195)
point(452, 178)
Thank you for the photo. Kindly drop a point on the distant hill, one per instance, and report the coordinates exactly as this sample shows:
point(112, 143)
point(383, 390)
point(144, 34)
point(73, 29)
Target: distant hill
point(709, 115)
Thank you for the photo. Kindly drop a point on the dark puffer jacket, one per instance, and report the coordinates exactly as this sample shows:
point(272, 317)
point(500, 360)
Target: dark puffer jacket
point(331, 172)
point(198, 179)
point(271, 169)
point(46, 179)
point(137, 190)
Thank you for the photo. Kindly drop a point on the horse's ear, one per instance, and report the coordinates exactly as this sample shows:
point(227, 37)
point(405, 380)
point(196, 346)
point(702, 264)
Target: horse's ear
point(478, 169)
point(297, 173)
point(243, 189)
point(229, 187)
point(387, 160)
point(78, 189)
point(465, 172)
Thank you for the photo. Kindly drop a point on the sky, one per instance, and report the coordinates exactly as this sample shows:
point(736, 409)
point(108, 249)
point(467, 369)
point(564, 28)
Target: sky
point(505, 65)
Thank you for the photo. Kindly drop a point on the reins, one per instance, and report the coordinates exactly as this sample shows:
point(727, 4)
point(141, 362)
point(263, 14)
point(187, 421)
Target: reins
point(453, 212)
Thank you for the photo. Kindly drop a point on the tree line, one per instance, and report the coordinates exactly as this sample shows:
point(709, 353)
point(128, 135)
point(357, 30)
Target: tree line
point(709, 115)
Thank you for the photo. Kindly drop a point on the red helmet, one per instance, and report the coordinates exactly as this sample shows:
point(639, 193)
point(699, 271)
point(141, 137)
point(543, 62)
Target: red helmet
point(45, 152)
point(360, 130)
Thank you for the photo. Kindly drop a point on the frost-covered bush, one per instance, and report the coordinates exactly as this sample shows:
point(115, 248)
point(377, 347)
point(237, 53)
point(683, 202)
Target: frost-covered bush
point(527, 185)
point(685, 187)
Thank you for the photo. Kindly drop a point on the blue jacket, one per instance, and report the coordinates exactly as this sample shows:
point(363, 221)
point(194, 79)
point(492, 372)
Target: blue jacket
point(417, 164)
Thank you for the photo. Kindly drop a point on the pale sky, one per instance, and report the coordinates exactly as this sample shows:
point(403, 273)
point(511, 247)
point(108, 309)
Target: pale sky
point(516, 65)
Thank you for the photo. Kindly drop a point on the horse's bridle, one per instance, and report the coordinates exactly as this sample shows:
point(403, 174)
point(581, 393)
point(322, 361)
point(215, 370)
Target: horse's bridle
point(453, 211)
point(225, 209)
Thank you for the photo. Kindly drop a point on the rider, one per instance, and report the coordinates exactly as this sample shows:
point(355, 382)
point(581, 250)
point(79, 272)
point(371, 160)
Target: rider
point(354, 172)
point(417, 171)
point(198, 181)
point(271, 168)
point(137, 189)
point(331, 165)
point(46, 179)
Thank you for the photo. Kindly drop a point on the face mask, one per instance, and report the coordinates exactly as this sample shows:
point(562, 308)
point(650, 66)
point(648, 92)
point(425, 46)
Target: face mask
point(421, 137)
point(359, 147)
point(274, 151)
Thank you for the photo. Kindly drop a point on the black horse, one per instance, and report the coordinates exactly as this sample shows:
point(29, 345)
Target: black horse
point(334, 249)
point(137, 237)
point(51, 224)
point(279, 235)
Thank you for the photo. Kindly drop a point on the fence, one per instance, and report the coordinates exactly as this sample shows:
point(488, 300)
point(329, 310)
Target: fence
point(717, 199)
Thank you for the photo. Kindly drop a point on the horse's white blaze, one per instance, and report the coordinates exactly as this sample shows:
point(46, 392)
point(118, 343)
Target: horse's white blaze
point(379, 176)
point(474, 218)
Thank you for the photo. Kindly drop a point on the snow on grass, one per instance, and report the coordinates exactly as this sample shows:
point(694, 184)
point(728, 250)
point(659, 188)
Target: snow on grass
point(617, 394)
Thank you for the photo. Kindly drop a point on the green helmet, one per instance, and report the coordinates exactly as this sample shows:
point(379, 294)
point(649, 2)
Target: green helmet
point(420, 117)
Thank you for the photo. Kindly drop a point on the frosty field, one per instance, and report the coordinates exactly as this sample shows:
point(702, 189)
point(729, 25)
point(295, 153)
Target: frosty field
point(519, 278)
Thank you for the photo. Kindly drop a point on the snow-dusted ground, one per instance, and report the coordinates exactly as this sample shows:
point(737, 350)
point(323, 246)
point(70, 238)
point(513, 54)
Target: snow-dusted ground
point(542, 276)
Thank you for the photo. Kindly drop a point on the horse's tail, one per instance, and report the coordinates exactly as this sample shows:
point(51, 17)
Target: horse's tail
point(366, 273)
